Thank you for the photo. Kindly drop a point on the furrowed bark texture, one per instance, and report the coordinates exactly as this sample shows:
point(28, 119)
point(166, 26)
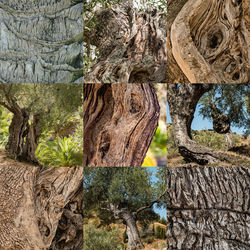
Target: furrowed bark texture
point(34, 203)
point(209, 40)
point(208, 208)
point(129, 219)
point(182, 100)
point(132, 46)
point(40, 41)
point(119, 123)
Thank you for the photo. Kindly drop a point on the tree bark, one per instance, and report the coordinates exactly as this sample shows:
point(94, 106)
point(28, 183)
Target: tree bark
point(208, 41)
point(40, 41)
point(132, 46)
point(208, 208)
point(34, 203)
point(23, 137)
point(134, 241)
point(119, 123)
point(182, 100)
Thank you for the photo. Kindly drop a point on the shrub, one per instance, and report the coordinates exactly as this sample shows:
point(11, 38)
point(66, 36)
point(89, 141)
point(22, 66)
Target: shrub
point(100, 239)
point(61, 152)
point(149, 239)
point(160, 233)
point(163, 221)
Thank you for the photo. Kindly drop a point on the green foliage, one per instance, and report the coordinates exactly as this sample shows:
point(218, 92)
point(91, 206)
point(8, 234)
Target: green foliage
point(125, 187)
point(160, 233)
point(5, 120)
point(99, 239)
point(212, 139)
point(125, 237)
point(148, 239)
point(231, 99)
point(159, 143)
point(163, 221)
point(61, 152)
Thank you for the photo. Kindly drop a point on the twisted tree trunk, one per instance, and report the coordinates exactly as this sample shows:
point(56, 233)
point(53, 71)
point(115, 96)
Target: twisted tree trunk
point(40, 41)
point(208, 41)
point(23, 137)
point(38, 206)
point(182, 100)
point(119, 123)
point(208, 208)
point(132, 46)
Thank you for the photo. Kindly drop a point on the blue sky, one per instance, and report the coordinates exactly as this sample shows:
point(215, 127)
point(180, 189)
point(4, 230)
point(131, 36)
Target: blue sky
point(161, 211)
point(200, 123)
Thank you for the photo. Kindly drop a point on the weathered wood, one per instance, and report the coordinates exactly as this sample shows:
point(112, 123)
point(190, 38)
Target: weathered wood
point(182, 100)
point(33, 202)
point(119, 123)
point(40, 41)
point(208, 208)
point(209, 41)
point(132, 46)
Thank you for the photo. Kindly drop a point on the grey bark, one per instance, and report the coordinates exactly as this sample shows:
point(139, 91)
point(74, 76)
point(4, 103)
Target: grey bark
point(119, 123)
point(132, 46)
point(182, 100)
point(208, 208)
point(129, 219)
point(40, 41)
point(33, 205)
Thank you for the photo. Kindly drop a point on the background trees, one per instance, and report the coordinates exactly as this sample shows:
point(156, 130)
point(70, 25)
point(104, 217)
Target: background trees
point(183, 100)
point(127, 194)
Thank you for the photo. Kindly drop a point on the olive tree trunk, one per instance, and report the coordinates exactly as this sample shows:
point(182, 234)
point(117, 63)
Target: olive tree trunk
point(131, 45)
point(119, 123)
point(182, 100)
point(40, 208)
point(208, 41)
point(129, 219)
point(23, 137)
point(208, 208)
point(40, 41)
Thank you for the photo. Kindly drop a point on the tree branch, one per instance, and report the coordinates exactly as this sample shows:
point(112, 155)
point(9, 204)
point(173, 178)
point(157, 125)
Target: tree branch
point(151, 204)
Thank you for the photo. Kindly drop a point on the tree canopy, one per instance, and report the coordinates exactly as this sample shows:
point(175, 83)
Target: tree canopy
point(232, 100)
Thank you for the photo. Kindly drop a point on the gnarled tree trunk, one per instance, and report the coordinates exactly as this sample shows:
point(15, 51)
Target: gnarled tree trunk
point(23, 137)
point(40, 41)
point(208, 208)
point(209, 40)
point(40, 208)
point(119, 123)
point(132, 46)
point(129, 219)
point(182, 100)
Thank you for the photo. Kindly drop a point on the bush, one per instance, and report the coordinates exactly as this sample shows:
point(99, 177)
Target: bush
point(100, 239)
point(125, 237)
point(5, 120)
point(149, 239)
point(61, 152)
point(160, 233)
point(163, 221)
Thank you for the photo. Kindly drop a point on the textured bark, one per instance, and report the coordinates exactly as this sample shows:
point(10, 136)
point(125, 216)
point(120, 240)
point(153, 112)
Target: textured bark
point(119, 123)
point(208, 208)
point(23, 137)
point(40, 41)
point(182, 100)
point(209, 40)
point(132, 46)
point(33, 204)
point(129, 219)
